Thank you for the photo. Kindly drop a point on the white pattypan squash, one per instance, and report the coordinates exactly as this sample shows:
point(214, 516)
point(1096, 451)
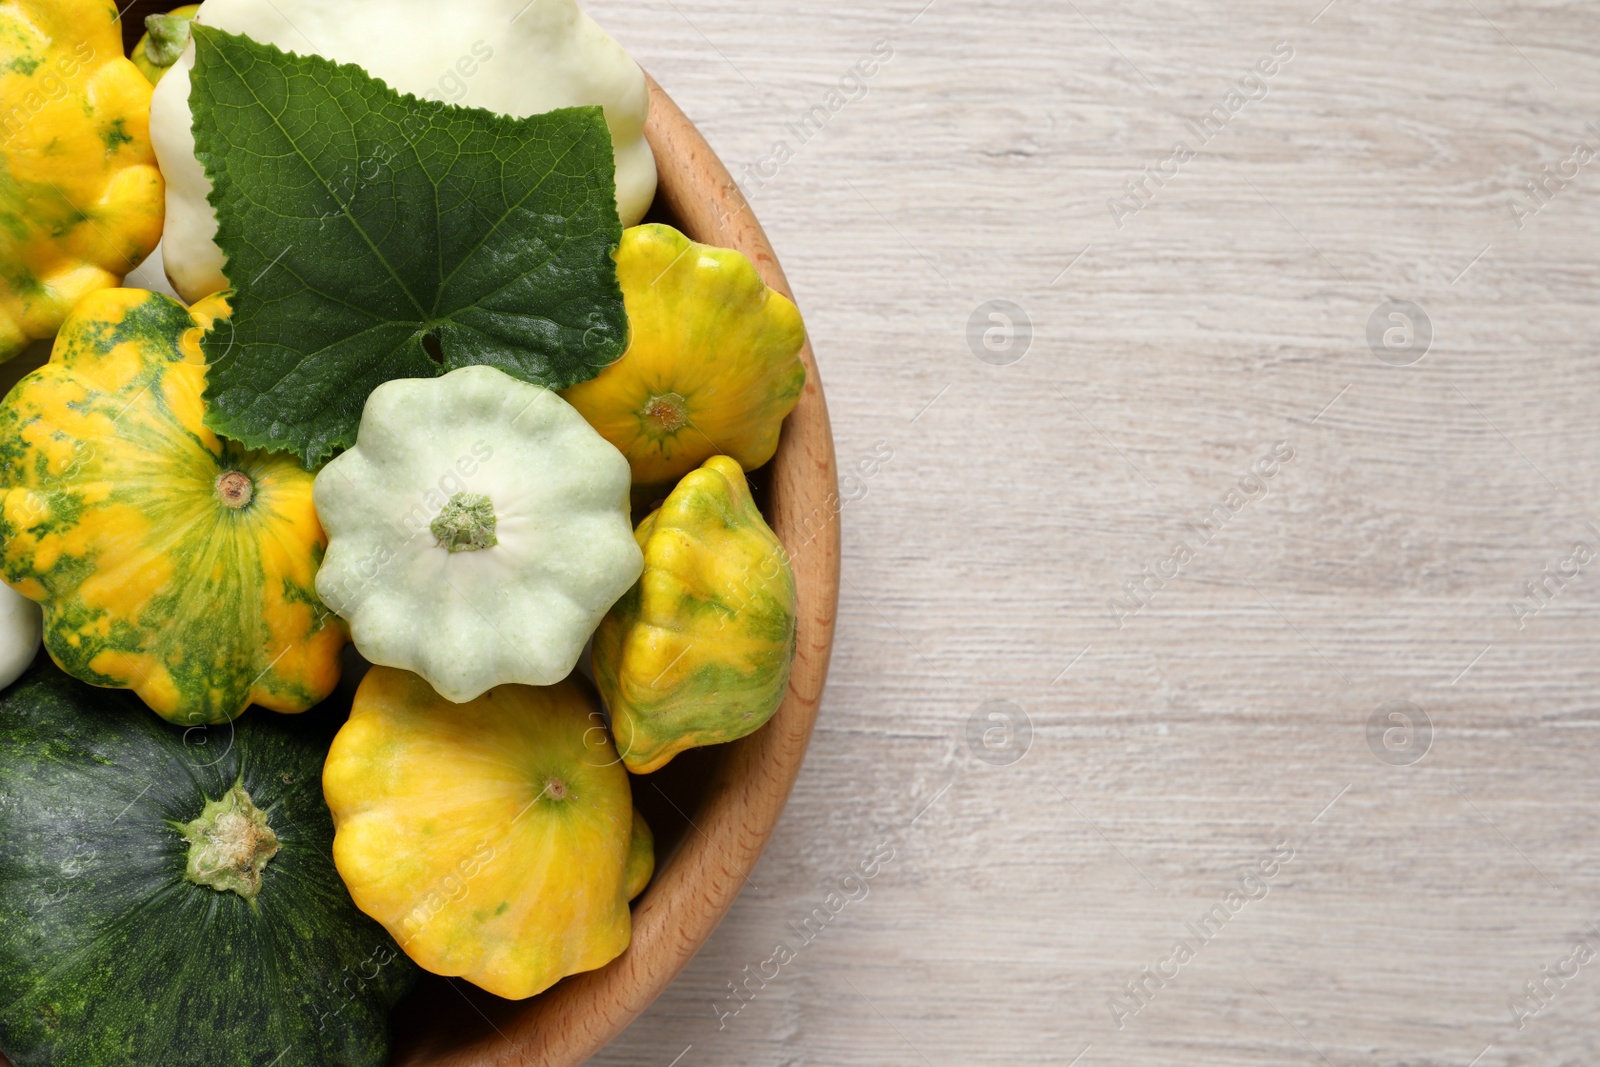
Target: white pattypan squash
point(21, 627)
point(514, 57)
point(477, 531)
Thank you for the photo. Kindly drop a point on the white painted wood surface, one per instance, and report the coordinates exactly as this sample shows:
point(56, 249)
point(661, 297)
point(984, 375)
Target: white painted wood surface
point(1229, 715)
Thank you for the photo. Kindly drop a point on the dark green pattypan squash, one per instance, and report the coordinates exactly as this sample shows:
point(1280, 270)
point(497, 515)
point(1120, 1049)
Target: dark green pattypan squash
point(168, 896)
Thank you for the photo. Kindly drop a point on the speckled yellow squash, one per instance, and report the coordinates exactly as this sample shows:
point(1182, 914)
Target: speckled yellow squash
point(698, 651)
point(168, 561)
point(81, 200)
point(491, 838)
point(712, 365)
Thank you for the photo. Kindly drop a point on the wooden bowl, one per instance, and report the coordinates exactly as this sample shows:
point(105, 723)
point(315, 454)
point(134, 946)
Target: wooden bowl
point(712, 809)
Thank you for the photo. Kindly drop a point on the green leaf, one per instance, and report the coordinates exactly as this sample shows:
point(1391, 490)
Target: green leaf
point(373, 236)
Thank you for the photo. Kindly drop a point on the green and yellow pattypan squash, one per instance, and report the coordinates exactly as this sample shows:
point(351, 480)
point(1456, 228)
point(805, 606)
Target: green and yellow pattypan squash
point(168, 561)
point(698, 652)
point(80, 196)
point(712, 366)
point(168, 895)
point(491, 838)
point(165, 38)
point(478, 531)
point(512, 57)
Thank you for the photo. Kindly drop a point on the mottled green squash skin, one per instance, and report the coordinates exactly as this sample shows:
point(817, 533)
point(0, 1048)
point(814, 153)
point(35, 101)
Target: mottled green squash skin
point(698, 651)
point(113, 519)
point(109, 956)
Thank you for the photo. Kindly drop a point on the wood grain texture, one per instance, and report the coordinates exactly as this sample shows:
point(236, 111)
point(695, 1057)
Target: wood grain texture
point(1167, 356)
point(1220, 319)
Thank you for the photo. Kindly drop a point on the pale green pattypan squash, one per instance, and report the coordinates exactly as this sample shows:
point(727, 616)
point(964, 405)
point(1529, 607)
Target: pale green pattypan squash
point(477, 532)
point(513, 57)
point(21, 627)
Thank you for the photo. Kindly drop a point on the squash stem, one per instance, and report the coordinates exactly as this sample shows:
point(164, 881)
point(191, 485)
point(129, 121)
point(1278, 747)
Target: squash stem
point(230, 845)
point(169, 36)
point(466, 523)
point(665, 414)
point(235, 489)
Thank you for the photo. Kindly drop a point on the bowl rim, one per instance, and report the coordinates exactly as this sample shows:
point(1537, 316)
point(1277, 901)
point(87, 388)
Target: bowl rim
point(694, 888)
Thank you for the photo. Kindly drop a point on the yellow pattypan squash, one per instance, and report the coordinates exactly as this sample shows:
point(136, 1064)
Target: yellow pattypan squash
point(712, 366)
point(698, 652)
point(165, 38)
point(168, 561)
point(491, 838)
point(641, 857)
point(81, 200)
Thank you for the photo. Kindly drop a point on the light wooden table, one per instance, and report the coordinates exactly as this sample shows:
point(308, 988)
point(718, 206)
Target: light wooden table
point(1173, 747)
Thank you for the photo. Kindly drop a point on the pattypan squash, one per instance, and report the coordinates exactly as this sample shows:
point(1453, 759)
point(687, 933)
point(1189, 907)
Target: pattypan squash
point(168, 896)
point(698, 652)
point(477, 531)
point(712, 364)
point(20, 630)
point(168, 561)
point(492, 838)
point(641, 857)
point(80, 195)
point(513, 57)
point(165, 38)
